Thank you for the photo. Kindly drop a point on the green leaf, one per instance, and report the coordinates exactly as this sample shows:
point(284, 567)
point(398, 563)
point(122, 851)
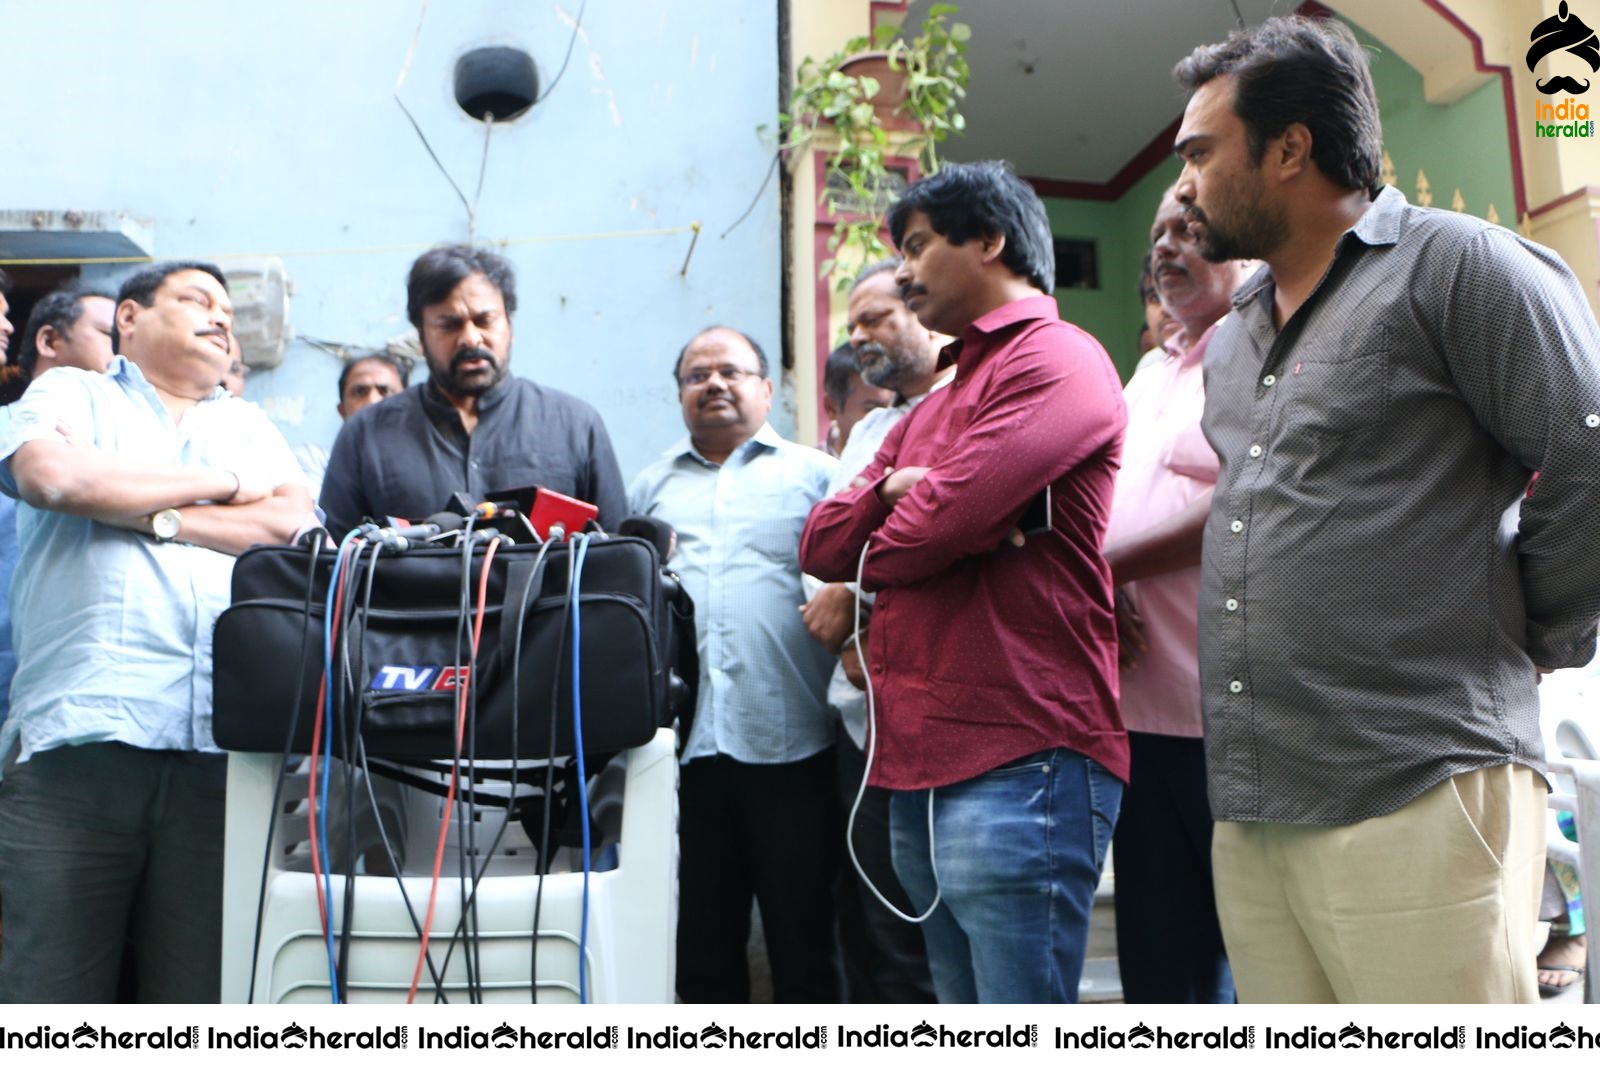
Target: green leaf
point(960, 32)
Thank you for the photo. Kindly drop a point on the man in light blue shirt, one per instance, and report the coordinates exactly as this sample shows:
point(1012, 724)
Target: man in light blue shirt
point(137, 487)
point(757, 794)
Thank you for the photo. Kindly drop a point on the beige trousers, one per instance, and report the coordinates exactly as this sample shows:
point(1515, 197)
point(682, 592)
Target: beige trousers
point(1435, 903)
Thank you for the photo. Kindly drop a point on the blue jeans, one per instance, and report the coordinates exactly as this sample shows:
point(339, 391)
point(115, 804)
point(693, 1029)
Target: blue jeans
point(1017, 852)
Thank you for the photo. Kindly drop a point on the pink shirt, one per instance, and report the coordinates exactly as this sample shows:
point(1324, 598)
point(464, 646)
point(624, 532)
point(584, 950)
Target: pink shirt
point(1166, 464)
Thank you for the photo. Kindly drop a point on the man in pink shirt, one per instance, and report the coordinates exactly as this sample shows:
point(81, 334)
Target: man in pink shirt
point(1169, 945)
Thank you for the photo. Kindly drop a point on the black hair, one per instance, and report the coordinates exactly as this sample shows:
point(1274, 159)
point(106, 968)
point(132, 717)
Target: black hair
point(395, 363)
point(874, 269)
point(966, 200)
point(142, 284)
point(5, 282)
point(437, 272)
point(59, 310)
point(1291, 69)
point(837, 372)
point(1148, 293)
point(761, 357)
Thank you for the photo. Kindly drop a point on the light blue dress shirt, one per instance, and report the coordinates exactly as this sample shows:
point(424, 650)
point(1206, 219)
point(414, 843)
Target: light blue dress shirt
point(112, 630)
point(763, 680)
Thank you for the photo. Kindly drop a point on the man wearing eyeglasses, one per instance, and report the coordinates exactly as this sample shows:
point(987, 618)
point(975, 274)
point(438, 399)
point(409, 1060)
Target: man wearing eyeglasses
point(755, 804)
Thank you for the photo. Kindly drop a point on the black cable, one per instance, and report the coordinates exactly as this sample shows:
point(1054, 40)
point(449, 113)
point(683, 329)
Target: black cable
point(463, 631)
point(472, 948)
point(342, 698)
point(771, 170)
point(288, 745)
point(349, 730)
point(549, 776)
point(577, 24)
point(516, 749)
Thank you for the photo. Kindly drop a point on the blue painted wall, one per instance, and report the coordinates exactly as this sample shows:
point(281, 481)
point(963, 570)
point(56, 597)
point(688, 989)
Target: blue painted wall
point(271, 128)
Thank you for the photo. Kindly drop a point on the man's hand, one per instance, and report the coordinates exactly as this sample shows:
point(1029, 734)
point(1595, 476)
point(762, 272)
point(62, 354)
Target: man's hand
point(251, 490)
point(830, 616)
point(850, 660)
point(1131, 642)
point(899, 483)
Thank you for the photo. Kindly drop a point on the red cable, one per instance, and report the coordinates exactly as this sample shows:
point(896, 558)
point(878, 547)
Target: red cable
point(463, 686)
point(316, 748)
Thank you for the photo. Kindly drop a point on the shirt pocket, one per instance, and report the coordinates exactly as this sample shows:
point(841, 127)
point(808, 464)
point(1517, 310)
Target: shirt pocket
point(1341, 389)
point(773, 524)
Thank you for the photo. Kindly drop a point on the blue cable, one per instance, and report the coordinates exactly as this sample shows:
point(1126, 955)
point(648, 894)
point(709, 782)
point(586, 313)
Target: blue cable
point(582, 549)
point(327, 757)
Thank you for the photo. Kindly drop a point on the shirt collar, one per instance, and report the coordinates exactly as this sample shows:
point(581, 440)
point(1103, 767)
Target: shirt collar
point(1188, 357)
point(1008, 314)
point(1379, 225)
point(131, 376)
point(764, 438)
point(438, 406)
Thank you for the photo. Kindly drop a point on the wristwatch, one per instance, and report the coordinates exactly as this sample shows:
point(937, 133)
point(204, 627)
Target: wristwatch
point(165, 524)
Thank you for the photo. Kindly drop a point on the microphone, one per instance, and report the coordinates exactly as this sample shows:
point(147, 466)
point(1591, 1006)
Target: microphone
point(399, 539)
point(649, 528)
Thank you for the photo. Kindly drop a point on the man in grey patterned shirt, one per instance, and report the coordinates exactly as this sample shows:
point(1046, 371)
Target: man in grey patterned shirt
point(1374, 611)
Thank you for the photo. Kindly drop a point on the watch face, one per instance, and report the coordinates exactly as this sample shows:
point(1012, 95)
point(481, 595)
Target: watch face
point(165, 524)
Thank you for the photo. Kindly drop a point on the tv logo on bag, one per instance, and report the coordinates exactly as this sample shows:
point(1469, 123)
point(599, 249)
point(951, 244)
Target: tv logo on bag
point(414, 679)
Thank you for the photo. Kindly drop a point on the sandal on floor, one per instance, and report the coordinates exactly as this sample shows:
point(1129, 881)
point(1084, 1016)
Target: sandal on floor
point(1549, 989)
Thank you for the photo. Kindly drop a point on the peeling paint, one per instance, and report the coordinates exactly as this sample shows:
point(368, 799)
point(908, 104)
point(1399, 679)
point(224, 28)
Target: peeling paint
point(596, 69)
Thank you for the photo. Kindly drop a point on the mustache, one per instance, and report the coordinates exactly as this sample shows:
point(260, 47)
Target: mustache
point(871, 350)
point(467, 355)
point(908, 290)
point(212, 331)
point(1563, 84)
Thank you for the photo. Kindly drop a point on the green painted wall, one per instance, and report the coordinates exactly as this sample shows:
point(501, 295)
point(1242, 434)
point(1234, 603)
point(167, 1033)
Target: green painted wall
point(1121, 232)
point(1458, 146)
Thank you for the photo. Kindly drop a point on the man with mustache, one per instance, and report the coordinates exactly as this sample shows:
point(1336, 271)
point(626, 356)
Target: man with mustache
point(138, 486)
point(756, 803)
point(993, 664)
point(884, 958)
point(1375, 611)
point(471, 427)
point(1169, 946)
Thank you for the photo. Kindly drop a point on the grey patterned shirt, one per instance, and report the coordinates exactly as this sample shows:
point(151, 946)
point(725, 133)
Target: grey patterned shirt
point(1372, 606)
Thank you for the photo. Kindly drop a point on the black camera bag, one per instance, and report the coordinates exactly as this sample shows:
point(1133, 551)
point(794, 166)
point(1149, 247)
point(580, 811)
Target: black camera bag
point(396, 662)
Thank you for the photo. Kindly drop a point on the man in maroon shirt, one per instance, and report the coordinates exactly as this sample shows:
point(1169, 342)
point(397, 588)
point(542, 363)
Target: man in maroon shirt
point(993, 665)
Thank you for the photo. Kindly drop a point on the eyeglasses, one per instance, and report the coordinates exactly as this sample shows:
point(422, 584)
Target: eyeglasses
point(730, 374)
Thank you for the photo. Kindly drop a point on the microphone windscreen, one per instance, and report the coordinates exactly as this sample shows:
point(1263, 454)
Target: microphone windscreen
point(649, 528)
point(447, 521)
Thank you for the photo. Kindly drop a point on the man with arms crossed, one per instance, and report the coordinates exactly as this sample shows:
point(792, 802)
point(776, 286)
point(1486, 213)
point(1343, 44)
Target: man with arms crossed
point(138, 487)
point(993, 666)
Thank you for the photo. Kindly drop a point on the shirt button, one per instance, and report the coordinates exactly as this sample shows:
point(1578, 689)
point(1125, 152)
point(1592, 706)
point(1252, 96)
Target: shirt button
point(1236, 526)
point(1231, 604)
point(1236, 686)
point(1270, 380)
point(1255, 451)
point(1591, 420)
